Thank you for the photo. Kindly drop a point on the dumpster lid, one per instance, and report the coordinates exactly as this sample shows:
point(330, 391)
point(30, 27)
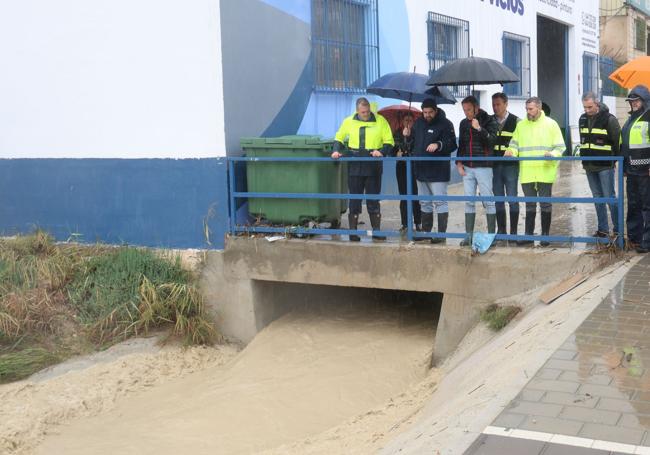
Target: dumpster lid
point(294, 141)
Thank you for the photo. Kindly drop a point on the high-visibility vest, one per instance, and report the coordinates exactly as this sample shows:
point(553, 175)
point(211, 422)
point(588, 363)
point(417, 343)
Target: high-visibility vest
point(640, 141)
point(505, 134)
point(371, 135)
point(536, 138)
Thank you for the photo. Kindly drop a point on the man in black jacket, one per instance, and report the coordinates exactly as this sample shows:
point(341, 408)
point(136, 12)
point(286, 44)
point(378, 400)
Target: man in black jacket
point(476, 138)
point(505, 175)
point(432, 135)
point(599, 136)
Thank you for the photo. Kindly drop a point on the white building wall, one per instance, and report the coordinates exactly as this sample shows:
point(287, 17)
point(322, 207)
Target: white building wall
point(110, 79)
point(488, 20)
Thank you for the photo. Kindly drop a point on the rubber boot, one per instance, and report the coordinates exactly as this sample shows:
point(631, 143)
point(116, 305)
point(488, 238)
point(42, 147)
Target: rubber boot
point(501, 226)
point(491, 222)
point(514, 221)
point(353, 221)
point(443, 218)
point(427, 225)
point(501, 222)
point(375, 222)
point(470, 219)
point(546, 227)
point(530, 229)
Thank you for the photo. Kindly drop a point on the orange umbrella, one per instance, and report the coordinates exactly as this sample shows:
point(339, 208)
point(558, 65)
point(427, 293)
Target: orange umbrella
point(633, 73)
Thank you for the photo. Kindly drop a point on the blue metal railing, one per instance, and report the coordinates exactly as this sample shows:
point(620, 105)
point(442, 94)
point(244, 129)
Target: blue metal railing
point(410, 233)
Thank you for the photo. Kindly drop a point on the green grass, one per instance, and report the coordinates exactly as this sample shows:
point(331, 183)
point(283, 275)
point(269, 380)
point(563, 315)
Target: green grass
point(65, 297)
point(497, 317)
point(21, 364)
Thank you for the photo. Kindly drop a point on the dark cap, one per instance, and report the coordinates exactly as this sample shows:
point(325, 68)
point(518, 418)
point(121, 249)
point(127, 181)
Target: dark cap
point(633, 97)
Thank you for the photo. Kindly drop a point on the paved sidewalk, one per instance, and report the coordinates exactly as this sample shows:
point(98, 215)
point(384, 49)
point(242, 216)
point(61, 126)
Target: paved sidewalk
point(592, 396)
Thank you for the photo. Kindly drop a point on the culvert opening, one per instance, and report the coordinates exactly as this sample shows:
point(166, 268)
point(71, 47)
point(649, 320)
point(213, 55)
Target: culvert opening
point(404, 308)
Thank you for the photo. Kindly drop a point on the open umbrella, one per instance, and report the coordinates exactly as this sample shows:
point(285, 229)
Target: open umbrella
point(395, 113)
point(409, 87)
point(473, 71)
point(633, 73)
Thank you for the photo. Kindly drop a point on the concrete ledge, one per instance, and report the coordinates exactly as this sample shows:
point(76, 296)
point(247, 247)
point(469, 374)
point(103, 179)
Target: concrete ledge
point(243, 285)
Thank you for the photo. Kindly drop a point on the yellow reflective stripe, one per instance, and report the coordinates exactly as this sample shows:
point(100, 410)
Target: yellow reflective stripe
point(505, 133)
point(593, 131)
point(596, 147)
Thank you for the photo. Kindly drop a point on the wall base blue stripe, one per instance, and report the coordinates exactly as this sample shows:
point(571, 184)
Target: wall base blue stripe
point(147, 202)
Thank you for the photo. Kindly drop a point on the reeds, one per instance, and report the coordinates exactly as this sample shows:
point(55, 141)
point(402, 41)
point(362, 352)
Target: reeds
point(51, 293)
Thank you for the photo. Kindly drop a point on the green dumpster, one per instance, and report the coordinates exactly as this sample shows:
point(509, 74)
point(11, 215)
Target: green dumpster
point(294, 177)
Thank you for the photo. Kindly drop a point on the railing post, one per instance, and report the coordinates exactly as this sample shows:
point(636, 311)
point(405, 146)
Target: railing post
point(232, 210)
point(409, 203)
point(621, 194)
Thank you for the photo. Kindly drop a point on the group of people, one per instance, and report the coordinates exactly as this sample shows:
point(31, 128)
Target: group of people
point(482, 136)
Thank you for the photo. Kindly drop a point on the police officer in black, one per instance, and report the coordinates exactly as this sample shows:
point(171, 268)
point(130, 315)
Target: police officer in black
point(599, 136)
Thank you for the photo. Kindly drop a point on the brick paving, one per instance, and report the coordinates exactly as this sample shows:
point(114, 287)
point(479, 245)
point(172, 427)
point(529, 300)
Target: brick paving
point(596, 386)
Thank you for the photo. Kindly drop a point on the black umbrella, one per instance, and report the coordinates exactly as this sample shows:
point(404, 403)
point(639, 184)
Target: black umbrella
point(473, 71)
point(409, 87)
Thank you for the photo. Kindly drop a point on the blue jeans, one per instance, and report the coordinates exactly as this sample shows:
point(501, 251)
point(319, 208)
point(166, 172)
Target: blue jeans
point(504, 183)
point(433, 189)
point(601, 184)
point(480, 177)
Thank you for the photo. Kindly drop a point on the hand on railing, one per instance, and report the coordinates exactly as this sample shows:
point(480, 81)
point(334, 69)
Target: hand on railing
point(336, 155)
point(376, 154)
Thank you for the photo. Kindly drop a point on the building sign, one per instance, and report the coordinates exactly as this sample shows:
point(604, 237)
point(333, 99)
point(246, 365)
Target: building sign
point(514, 6)
point(565, 6)
point(641, 5)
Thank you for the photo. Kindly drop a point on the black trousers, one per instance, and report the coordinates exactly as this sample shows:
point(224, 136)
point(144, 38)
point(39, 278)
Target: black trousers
point(400, 173)
point(638, 209)
point(537, 189)
point(364, 184)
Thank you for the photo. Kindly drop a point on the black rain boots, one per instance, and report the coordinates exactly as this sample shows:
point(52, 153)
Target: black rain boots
point(427, 224)
point(353, 221)
point(443, 218)
point(530, 229)
point(546, 227)
point(470, 219)
point(375, 222)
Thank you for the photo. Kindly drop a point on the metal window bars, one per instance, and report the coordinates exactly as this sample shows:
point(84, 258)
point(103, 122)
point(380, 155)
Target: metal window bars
point(345, 44)
point(448, 39)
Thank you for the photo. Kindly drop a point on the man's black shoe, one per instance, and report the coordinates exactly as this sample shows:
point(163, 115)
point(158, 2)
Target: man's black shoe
point(600, 234)
point(642, 250)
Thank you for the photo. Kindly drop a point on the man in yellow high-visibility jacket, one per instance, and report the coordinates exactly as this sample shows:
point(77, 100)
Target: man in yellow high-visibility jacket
point(537, 135)
point(369, 135)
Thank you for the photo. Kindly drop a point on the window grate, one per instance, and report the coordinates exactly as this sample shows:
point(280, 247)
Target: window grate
point(589, 73)
point(608, 87)
point(640, 31)
point(516, 56)
point(345, 44)
point(448, 39)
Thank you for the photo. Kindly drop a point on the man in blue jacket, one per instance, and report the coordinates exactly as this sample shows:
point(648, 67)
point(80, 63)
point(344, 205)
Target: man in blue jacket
point(432, 135)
